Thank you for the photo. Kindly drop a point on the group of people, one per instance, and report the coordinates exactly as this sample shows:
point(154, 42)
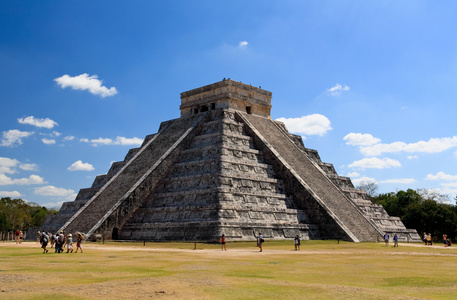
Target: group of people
point(19, 236)
point(59, 241)
point(260, 241)
point(395, 239)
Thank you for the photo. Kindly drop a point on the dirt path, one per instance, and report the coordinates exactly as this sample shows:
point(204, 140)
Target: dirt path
point(237, 252)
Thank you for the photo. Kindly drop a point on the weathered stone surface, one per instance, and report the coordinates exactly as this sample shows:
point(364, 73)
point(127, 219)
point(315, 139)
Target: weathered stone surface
point(224, 167)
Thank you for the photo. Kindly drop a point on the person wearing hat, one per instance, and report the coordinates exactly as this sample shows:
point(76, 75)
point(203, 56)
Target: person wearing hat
point(69, 243)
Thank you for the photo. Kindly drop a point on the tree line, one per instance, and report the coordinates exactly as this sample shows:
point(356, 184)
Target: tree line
point(17, 214)
point(421, 209)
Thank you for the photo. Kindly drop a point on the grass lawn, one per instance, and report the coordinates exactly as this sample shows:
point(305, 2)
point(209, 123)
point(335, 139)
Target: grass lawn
point(320, 270)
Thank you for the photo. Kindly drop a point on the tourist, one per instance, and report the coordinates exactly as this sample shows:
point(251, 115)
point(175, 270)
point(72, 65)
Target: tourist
point(449, 243)
point(79, 240)
point(53, 240)
point(17, 236)
point(223, 242)
point(429, 239)
point(56, 243)
point(297, 242)
point(425, 238)
point(60, 241)
point(260, 240)
point(395, 240)
point(386, 239)
point(38, 237)
point(44, 241)
point(69, 243)
point(445, 240)
point(21, 237)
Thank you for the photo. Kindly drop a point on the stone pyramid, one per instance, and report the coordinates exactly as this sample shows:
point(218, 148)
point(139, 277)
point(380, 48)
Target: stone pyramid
point(224, 167)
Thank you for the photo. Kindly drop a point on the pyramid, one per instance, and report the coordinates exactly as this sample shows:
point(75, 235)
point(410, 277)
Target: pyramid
point(224, 167)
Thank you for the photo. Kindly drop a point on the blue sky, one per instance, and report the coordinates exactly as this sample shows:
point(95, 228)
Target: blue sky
point(369, 84)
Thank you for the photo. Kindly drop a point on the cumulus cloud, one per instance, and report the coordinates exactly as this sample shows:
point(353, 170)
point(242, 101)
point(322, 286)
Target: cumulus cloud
point(118, 141)
point(315, 124)
point(441, 176)
point(32, 179)
point(412, 157)
point(48, 141)
point(80, 166)
point(353, 174)
point(433, 145)
point(86, 83)
point(7, 165)
point(375, 163)
point(338, 89)
point(53, 191)
point(128, 141)
point(14, 137)
point(400, 180)
point(69, 138)
point(44, 123)
point(13, 194)
point(243, 44)
point(359, 139)
point(360, 180)
point(28, 167)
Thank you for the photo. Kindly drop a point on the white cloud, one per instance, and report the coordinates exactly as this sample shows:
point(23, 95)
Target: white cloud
point(56, 133)
point(45, 123)
point(338, 89)
point(48, 141)
point(13, 194)
point(58, 204)
point(353, 174)
point(101, 141)
point(375, 163)
point(412, 157)
point(69, 138)
point(86, 82)
point(433, 145)
point(80, 166)
point(32, 179)
point(7, 165)
point(359, 139)
point(243, 44)
point(400, 180)
point(53, 191)
point(357, 181)
point(126, 141)
point(28, 167)
point(119, 141)
point(315, 124)
point(14, 137)
point(83, 140)
point(441, 176)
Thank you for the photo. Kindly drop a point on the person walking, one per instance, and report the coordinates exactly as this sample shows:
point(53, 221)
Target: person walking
point(44, 239)
point(260, 240)
point(396, 240)
point(79, 240)
point(297, 243)
point(69, 242)
point(223, 243)
point(386, 239)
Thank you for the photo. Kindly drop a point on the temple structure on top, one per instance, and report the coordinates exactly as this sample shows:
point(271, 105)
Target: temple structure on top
point(224, 167)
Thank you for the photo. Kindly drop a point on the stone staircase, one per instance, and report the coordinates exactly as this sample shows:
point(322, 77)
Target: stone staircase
point(219, 185)
point(312, 178)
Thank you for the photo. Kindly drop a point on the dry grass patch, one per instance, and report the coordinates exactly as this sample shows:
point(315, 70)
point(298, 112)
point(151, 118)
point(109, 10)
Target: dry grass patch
point(321, 270)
